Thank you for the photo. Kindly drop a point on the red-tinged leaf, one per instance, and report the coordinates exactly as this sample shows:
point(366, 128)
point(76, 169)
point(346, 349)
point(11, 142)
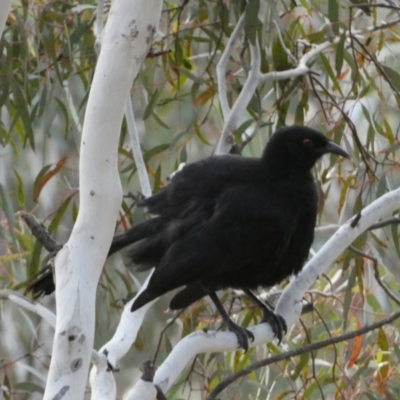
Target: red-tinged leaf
point(358, 342)
point(45, 175)
point(204, 97)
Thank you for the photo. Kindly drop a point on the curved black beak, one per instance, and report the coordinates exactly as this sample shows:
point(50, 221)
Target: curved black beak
point(335, 149)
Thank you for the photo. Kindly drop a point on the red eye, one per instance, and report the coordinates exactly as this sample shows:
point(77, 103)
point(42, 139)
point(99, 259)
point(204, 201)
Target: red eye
point(308, 143)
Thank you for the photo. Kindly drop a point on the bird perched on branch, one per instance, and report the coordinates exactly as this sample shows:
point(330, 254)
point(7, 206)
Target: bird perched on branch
point(232, 222)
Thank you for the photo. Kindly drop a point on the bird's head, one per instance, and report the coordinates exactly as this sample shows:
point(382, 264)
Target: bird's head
point(299, 147)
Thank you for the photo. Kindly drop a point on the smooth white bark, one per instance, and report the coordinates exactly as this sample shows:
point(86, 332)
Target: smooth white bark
point(143, 390)
point(126, 40)
point(127, 330)
point(29, 305)
point(221, 69)
point(136, 149)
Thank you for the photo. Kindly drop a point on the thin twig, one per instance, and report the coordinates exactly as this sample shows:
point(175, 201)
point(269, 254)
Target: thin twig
point(41, 233)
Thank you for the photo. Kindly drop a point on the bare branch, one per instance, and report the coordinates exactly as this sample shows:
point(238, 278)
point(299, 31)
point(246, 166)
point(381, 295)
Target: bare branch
point(41, 233)
point(250, 86)
point(29, 305)
point(221, 69)
point(136, 150)
point(99, 26)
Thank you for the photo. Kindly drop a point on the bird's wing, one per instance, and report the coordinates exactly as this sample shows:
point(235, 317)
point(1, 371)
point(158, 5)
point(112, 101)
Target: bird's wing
point(248, 225)
point(200, 182)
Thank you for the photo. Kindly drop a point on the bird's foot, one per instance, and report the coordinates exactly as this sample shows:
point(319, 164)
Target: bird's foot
point(243, 335)
point(277, 323)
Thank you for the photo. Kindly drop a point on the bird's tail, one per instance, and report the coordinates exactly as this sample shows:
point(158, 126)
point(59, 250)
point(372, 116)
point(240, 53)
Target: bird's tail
point(134, 234)
point(143, 298)
point(43, 283)
point(191, 293)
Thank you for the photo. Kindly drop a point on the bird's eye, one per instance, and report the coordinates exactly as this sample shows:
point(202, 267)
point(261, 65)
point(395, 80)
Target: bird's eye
point(308, 143)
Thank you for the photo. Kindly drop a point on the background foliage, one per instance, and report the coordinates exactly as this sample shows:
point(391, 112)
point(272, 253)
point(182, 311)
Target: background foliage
point(352, 95)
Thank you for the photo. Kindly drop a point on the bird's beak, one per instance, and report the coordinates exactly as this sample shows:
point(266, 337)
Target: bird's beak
point(335, 149)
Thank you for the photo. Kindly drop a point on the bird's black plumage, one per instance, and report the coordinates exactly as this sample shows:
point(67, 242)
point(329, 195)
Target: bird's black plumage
point(230, 221)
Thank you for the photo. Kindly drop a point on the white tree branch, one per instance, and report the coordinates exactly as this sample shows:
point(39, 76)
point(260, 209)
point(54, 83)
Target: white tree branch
point(127, 330)
point(250, 86)
point(127, 37)
point(29, 305)
point(102, 379)
point(221, 69)
point(99, 25)
point(136, 150)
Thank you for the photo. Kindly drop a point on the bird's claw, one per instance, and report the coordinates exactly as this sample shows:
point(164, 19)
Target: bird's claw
point(278, 324)
point(243, 335)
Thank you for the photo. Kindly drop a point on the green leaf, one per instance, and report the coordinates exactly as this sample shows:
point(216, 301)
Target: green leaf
point(339, 57)
point(157, 180)
point(303, 362)
point(242, 128)
point(333, 15)
point(23, 112)
point(28, 387)
point(330, 73)
point(152, 103)
point(59, 214)
point(20, 190)
point(381, 188)
point(159, 120)
point(392, 77)
point(154, 151)
point(201, 137)
point(66, 115)
point(34, 265)
point(8, 209)
point(348, 296)
point(317, 37)
point(250, 21)
point(395, 236)
point(382, 340)
point(78, 33)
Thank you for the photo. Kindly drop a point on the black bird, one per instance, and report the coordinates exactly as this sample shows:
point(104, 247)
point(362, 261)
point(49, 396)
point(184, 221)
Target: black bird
point(232, 222)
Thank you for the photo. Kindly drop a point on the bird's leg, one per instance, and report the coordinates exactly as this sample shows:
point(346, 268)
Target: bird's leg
point(277, 322)
point(241, 333)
